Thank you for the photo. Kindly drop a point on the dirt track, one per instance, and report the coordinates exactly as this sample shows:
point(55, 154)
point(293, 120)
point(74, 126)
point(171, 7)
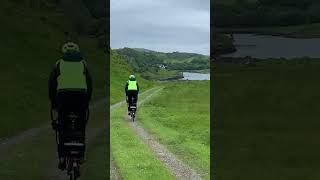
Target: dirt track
point(176, 167)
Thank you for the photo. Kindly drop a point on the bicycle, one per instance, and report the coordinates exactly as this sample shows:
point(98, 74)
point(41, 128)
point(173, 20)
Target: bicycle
point(132, 109)
point(132, 112)
point(72, 148)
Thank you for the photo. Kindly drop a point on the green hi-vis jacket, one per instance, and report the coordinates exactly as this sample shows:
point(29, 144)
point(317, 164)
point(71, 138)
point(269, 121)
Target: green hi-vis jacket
point(132, 86)
point(72, 76)
point(70, 73)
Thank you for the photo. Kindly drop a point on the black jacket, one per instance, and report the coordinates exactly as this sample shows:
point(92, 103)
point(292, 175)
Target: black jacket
point(53, 82)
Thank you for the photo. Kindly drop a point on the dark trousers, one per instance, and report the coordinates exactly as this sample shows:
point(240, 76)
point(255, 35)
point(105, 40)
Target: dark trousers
point(71, 104)
point(132, 98)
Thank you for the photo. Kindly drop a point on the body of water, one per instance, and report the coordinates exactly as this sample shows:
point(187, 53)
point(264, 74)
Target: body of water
point(267, 46)
point(195, 76)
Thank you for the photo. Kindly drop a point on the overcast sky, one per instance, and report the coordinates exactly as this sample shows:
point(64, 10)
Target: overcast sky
point(162, 25)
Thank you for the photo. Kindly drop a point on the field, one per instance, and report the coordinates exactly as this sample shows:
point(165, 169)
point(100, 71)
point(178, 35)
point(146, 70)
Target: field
point(132, 157)
point(180, 118)
point(266, 120)
point(119, 75)
point(189, 141)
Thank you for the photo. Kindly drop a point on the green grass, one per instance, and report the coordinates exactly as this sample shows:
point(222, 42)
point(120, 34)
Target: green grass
point(179, 117)
point(134, 159)
point(266, 120)
point(204, 71)
point(27, 56)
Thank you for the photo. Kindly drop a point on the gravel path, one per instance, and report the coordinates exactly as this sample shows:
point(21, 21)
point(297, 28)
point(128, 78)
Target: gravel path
point(180, 170)
point(114, 173)
point(53, 172)
point(7, 143)
point(56, 174)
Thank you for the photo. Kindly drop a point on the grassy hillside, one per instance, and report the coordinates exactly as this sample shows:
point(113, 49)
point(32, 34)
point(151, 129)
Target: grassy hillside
point(133, 158)
point(143, 60)
point(31, 38)
point(119, 75)
point(172, 117)
point(123, 140)
point(266, 120)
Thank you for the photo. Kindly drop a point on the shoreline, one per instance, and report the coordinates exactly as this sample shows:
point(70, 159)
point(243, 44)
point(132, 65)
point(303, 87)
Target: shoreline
point(180, 75)
point(257, 31)
point(251, 60)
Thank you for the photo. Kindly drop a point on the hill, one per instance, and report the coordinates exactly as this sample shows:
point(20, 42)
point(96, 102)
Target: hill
point(143, 60)
point(119, 74)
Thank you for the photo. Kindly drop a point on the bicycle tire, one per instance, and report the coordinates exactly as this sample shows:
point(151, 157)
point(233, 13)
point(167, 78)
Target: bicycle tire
point(133, 116)
point(71, 176)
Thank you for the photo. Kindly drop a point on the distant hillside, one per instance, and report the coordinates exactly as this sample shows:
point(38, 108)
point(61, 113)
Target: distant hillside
point(143, 50)
point(143, 60)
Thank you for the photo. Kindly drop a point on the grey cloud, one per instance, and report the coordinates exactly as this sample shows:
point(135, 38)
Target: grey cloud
point(168, 25)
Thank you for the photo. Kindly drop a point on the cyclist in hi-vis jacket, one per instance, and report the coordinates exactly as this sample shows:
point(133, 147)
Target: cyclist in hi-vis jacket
point(132, 91)
point(70, 89)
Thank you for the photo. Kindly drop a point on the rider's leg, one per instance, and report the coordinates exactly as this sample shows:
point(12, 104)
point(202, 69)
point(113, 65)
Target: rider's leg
point(135, 98)
point(129, 100)
point(82, 112)
point(61, 101)
point(83, 134)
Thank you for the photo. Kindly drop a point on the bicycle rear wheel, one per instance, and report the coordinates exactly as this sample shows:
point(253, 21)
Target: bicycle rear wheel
point(71, 176)
point(74, 174)
point(133, 115)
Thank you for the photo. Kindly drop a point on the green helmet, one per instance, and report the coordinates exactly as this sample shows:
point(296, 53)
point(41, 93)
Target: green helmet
point(70, 46)
point(132, 78)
